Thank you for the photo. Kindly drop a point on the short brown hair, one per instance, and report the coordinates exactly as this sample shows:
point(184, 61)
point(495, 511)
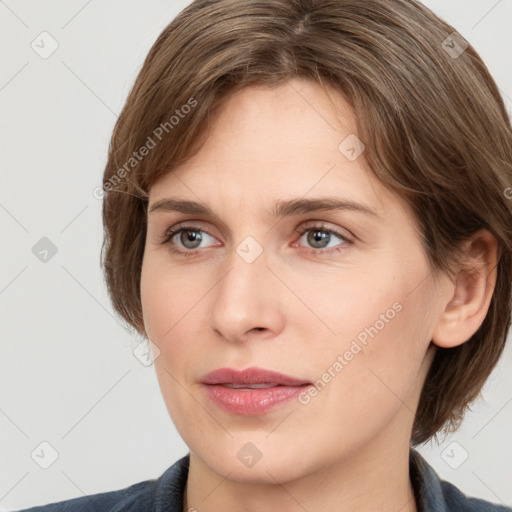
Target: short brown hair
point(434, 124)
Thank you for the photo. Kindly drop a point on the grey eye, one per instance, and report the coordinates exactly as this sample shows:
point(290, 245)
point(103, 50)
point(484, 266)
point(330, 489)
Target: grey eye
point(321, 238)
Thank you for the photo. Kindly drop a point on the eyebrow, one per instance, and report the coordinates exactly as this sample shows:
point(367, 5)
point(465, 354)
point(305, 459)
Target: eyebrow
point(281, 208)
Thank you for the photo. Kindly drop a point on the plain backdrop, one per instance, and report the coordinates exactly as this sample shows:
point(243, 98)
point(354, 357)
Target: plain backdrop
point(68, 376)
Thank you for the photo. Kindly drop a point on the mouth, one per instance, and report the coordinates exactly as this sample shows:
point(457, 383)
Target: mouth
point(251, 392)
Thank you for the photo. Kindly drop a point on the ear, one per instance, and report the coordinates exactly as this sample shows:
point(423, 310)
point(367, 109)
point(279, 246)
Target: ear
point(470, 295)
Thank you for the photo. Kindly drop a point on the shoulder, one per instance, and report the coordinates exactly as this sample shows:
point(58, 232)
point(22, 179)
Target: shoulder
point(164, 493)
point(139, 493)
point(436, 495)
point(457, 500)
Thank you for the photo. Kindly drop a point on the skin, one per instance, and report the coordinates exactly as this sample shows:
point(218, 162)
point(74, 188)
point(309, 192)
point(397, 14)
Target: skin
point(295, 309)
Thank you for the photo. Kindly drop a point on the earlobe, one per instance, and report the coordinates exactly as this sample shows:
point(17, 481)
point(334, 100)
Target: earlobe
point(467, 300)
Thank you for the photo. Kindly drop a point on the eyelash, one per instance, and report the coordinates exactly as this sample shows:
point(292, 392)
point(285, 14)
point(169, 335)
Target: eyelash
point(171, 232)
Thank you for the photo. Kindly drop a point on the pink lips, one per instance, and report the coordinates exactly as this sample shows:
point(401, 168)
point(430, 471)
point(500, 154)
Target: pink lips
point(252, 391)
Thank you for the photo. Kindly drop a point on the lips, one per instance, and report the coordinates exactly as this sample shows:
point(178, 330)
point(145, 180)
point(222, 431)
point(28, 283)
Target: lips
point(251, 377)
point(253, 391)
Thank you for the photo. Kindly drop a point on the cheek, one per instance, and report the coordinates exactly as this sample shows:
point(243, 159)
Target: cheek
point(381, 300)
point(168, 295)
point(173, 307)
point(383, 324)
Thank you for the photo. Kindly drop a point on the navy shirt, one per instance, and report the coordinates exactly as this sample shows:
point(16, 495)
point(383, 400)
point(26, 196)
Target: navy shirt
point(165, 494)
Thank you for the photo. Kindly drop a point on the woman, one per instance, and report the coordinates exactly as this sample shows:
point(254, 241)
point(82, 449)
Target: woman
point(297, 216)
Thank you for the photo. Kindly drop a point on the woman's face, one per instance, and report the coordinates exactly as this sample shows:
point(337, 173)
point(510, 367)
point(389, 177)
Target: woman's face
point(342, 297)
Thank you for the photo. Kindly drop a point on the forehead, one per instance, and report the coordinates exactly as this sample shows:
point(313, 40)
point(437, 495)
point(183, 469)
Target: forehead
point(296, 114)
point(277, 143)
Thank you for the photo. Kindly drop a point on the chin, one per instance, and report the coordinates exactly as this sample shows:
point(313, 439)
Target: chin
point(270, 463)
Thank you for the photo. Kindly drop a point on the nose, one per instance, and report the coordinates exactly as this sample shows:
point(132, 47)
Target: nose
point(247, 302)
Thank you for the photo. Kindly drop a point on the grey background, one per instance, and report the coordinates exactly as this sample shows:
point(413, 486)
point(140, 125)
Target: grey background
point(68, 374)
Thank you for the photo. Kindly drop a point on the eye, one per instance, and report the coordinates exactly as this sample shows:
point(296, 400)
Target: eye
point(185, 239)
point(320, 237)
